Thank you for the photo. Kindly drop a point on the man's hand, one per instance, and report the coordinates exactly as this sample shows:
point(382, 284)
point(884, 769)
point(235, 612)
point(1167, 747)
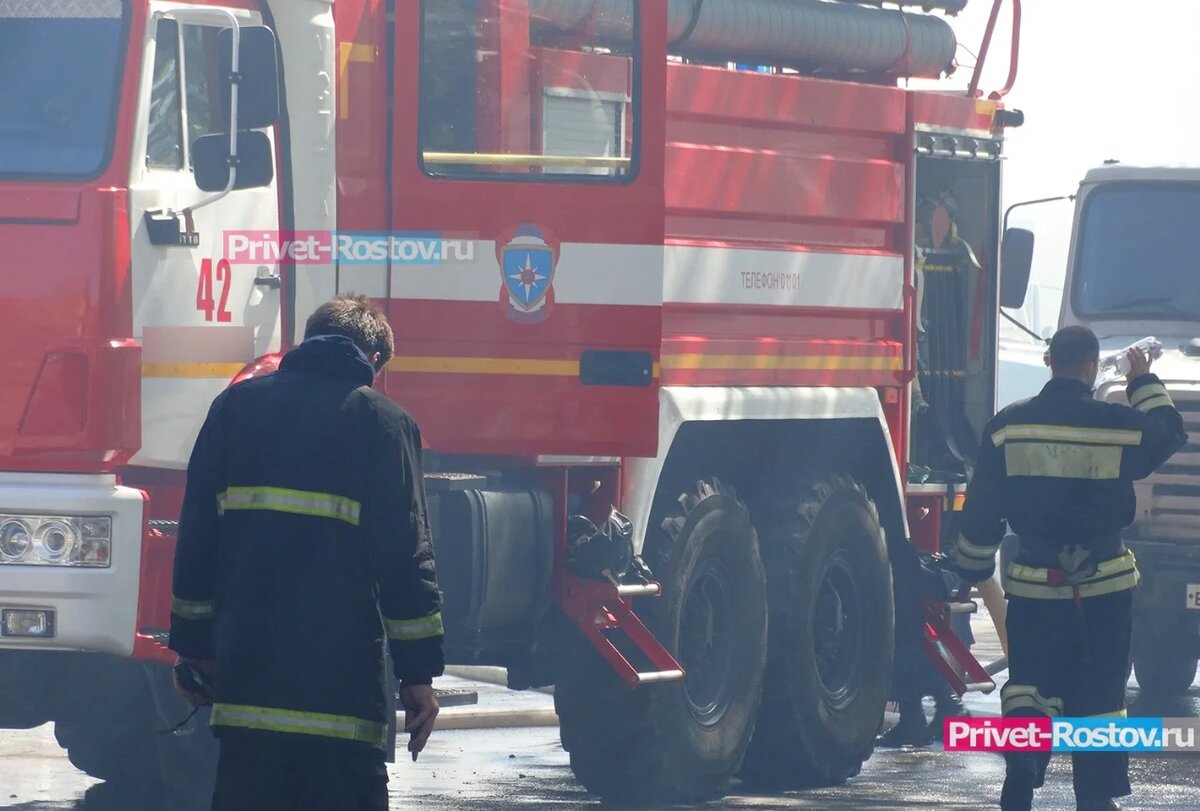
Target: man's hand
point(1139, 363)
point(207, 669)
point(420, 711)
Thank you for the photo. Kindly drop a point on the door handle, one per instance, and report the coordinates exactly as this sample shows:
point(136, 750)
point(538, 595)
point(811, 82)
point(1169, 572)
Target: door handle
point(272, 281)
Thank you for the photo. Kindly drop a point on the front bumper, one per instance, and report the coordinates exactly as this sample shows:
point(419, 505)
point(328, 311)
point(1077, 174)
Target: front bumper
point(95, 609)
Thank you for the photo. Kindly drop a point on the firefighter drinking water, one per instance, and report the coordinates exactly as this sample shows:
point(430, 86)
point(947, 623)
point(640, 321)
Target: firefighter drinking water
point(1059, 468)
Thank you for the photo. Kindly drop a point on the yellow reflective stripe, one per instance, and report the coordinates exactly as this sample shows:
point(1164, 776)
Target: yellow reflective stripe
point(1155, 402)
point(1066, 433)
point(193, 369)
point(299, 502)
point(1024, 581)
point(1144, 393)
point(973, 557)
point(1123, 582)
point(1120, 583)
point(1116, 714)
point(192, 609)
point(1058, 461)
point(1021, 696)
point(975, 550)
point(1026, 703)
point(968, 563)
point(342, 727)
point(412, 630)
point(1105, 568)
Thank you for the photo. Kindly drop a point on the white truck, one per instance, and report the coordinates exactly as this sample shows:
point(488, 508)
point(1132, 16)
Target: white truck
point(1132, 272)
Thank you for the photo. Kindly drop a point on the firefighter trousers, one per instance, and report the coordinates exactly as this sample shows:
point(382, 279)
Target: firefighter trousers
point(1070, 659)
point(271, 771)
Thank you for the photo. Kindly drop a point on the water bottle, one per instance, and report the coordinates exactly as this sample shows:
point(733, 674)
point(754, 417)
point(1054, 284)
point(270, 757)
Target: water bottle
point(1116, 365)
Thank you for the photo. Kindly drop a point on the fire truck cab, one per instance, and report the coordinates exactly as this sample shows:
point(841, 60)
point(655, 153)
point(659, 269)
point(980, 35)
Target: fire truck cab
point(695, 305)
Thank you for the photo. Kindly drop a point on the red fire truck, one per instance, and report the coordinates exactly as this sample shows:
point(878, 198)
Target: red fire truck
point(694, 301)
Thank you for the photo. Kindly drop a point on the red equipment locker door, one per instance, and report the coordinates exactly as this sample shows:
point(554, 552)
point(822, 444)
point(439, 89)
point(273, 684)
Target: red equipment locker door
point(530, 158)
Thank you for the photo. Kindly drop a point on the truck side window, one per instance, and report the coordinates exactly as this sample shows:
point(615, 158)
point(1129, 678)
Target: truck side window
point(198, 72)
point(526, 90)
point(164, 136)
point(202, 75)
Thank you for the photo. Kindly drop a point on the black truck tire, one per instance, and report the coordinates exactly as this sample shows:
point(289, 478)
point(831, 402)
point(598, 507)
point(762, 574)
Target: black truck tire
point(115, 736)
point(32, 705)
point(108, 740)
point(1162, 670)
point(679, 742)
point(831, 638)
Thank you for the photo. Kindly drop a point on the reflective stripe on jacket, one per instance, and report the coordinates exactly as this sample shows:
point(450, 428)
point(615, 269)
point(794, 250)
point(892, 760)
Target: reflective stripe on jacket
point(1045, 583)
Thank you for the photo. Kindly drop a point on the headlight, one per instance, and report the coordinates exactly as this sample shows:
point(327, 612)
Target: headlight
point(14, 540)
point(55, 540)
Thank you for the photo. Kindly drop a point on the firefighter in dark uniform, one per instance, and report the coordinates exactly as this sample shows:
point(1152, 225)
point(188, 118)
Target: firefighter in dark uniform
point(1060, 469)
point(303, 545)
point(945, 266)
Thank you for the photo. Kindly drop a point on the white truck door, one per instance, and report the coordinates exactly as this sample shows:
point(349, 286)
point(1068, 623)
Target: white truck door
point(199, 317)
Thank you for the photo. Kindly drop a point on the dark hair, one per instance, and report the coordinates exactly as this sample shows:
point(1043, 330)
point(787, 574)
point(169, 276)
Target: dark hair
point(356, 318)
point(1072, 349)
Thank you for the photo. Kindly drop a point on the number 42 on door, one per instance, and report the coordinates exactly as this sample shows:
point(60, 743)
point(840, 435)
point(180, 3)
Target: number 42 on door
point(205, 301)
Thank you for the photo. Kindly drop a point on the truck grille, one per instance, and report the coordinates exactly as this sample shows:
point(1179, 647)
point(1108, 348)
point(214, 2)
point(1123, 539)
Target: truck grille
point(1169, 501)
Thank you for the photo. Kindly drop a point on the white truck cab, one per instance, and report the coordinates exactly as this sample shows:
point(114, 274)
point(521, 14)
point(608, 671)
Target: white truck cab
point(1133, 272)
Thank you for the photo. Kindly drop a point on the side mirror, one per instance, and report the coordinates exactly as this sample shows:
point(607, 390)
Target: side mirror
point(258, 64)
point(1016, 265)
point(255, 161)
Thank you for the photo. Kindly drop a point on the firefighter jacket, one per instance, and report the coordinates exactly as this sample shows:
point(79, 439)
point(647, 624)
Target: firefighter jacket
point(1059, 468)
point(303, 543)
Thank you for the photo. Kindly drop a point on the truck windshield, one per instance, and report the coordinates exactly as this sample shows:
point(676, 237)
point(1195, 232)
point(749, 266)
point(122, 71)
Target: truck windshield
point(1135, 257)
point(58, 83)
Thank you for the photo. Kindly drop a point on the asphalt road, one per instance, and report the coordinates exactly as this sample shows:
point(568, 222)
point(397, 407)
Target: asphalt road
point(493, 770)
point(510, 768)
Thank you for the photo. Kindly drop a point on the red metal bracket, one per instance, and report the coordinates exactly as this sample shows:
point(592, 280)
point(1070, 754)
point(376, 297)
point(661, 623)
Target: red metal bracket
point(950, 655)
point(596, 608)
point(1014, 57)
